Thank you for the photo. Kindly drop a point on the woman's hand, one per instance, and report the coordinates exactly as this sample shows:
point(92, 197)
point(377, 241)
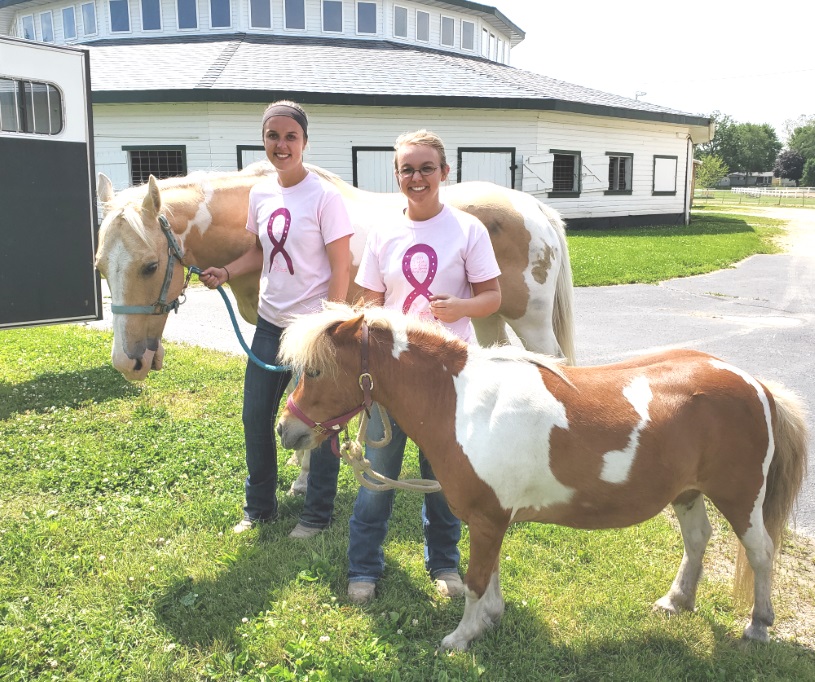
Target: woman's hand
point(214, 277)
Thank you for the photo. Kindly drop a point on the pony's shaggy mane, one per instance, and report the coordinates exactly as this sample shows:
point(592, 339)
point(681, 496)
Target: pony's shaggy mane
point(306, 346)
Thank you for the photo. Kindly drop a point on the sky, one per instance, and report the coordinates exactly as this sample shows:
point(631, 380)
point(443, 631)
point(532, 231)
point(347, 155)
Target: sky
point(750, 60)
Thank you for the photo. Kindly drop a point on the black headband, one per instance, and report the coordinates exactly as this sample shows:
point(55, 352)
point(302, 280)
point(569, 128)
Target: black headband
point(290, 112)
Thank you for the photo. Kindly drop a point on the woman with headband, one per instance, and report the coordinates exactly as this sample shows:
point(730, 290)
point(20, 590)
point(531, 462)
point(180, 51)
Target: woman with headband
point(302, 249)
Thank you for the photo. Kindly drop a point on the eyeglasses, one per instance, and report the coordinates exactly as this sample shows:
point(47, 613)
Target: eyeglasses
point(424, 171)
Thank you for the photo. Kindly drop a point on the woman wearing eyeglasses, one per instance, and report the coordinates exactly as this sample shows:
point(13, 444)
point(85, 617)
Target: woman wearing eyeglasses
point(437, 263)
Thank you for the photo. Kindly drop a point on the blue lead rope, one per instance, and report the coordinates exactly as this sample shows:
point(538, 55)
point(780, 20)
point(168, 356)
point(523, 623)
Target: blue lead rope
point(254, 358)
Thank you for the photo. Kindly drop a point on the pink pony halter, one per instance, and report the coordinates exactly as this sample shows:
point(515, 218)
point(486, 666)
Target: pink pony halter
point(333, 427)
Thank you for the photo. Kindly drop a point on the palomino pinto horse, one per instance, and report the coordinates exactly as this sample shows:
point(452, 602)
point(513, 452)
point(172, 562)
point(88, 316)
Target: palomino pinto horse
point(514, 436)
point(206, 215)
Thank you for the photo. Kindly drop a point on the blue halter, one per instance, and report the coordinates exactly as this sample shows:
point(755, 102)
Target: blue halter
point(161, 306)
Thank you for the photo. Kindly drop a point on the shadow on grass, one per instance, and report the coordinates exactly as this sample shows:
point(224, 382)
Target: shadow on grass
point(64, 389)
point(699, 226)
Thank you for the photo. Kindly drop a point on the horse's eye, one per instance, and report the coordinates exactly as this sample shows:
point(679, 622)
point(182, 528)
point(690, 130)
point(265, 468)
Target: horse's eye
point(150, 268)
point(312, 373)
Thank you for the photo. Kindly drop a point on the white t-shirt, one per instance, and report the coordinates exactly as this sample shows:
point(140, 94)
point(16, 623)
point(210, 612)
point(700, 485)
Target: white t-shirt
point(294, 224)
point(411, 260)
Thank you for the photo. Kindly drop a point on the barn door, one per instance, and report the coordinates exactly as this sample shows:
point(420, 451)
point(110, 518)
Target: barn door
point(47, 206)
point(373, 169)
point(491, 165)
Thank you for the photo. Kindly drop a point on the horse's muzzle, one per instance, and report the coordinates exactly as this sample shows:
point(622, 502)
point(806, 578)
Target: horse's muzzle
point(295, 435)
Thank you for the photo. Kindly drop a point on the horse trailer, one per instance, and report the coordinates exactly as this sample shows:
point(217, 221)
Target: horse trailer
point(47, 189)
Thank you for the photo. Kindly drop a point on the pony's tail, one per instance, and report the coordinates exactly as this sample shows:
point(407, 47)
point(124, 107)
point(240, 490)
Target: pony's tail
point(784, 479)
point(563, 309)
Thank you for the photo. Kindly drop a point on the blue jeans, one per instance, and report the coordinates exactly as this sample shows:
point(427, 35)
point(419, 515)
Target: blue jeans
point(262, 391)
point(372, 510)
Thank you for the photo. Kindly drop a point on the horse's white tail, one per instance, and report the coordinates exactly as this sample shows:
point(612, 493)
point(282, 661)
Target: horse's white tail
point(563, 309)
point(784, 478)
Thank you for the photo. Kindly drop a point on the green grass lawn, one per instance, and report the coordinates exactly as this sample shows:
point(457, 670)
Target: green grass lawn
point(651, 254)
point(117, 560)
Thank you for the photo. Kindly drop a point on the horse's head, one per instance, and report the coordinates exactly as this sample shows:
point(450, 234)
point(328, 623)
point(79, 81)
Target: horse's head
point(133, 256)
point(325, 351)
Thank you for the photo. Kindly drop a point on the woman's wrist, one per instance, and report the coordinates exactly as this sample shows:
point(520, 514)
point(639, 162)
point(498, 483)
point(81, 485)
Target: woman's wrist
point(223, 267)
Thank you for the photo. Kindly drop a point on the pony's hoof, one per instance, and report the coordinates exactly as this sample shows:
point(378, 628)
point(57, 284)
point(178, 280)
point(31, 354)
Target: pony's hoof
point(669, 607)
point(297, 489)
point(453, 642)
point(756, 632)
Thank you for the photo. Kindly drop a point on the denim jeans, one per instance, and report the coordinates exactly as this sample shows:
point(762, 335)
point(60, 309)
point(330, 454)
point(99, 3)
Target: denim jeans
point(372, 510)
point(262, 391)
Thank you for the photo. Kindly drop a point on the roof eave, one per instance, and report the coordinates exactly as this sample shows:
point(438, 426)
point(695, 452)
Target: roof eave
point(700, 125)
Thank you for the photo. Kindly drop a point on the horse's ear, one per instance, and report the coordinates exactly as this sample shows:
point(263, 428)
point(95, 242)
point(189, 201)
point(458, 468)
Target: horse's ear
point(152, 199)
point(104, 189)
point(359, 304)
point(349, 328)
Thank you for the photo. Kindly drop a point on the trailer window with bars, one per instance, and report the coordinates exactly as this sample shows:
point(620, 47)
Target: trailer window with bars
point(30, 107)
point(161, 162)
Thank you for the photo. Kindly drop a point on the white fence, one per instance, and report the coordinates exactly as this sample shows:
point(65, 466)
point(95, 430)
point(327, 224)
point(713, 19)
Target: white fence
point(785, 192)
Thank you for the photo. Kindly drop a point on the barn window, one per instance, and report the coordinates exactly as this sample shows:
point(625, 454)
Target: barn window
point(119, 16)
point(332, 16)
point(30, 107)
point(619, 173)
point(151, 15)
point(366, 17)
point(28, 27)
point(220, 13)
point(422, 26)
point(261, 13)
point(665, 175)
point(467, 35)
point(89, 19)
point(448, 31)
point(566, 167)
point(162, 162)
point(69, 23)
point(485, 42)
point(187, 13)
point(400, 21)
point(295, 14)
point(47, 27)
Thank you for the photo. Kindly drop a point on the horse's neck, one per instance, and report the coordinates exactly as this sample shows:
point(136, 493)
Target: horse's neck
point(418, 389)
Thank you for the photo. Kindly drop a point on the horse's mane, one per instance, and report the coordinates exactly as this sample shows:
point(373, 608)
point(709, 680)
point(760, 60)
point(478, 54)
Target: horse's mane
point(306, 346)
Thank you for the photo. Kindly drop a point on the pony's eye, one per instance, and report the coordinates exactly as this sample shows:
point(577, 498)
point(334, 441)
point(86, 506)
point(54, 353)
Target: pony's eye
point(150, 268)
point(312, 373)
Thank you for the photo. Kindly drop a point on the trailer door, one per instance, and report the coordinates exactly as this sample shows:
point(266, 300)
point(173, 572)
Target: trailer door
point(47, 206)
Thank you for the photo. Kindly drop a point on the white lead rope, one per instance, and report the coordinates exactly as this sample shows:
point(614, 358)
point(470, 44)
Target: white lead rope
point(354, 455)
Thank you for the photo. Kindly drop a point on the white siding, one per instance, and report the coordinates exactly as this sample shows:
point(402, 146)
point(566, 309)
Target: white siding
point(212, 132)
point(240, 21)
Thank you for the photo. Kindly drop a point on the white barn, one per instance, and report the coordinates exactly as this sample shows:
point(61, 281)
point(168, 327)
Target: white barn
point(179, 85)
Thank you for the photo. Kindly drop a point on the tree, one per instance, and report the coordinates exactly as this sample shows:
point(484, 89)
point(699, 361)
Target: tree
point(789, 164)
point(757, 147)
point(808, 179)
point(723, 143)
point(711, 171)
point(802, 140)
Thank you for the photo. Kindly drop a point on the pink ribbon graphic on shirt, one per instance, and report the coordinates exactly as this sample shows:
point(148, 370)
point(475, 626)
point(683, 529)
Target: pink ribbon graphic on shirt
point(277, 246)
point(419, 288)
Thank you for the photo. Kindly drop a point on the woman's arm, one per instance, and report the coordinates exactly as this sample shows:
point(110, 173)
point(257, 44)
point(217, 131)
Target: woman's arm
point(485, 301)
point(250, 261)
point(370, 297)
point(339, 259)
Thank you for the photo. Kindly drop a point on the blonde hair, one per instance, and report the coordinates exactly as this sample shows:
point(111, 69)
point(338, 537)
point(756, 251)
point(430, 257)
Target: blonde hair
point(420, 137)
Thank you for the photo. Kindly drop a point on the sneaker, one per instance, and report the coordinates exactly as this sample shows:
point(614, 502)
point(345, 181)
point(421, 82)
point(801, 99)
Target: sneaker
point(361, 592)
point(247, 524)
point(301, 532)
point(450, 584)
